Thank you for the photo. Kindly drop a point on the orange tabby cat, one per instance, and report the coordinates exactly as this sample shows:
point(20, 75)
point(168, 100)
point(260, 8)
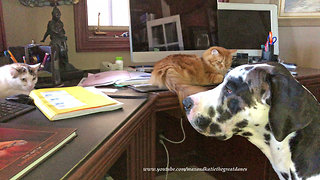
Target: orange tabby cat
point(182, 73)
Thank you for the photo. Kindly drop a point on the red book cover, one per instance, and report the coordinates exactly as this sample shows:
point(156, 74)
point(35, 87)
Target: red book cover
point(23, 147)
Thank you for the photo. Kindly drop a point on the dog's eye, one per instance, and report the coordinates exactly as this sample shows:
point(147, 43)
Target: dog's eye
point(228, 90)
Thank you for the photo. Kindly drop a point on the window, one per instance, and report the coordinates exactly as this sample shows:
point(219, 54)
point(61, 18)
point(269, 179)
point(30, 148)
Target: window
point(112, 12)
point(87, 40)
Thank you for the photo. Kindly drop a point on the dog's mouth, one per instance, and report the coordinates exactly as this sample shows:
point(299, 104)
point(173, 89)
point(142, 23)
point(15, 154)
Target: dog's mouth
point(221, 137)
point(201, 131)
point(208, 131)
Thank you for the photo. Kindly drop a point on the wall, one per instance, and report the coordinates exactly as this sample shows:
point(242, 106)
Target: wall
point(298, 45)
point(22, 24)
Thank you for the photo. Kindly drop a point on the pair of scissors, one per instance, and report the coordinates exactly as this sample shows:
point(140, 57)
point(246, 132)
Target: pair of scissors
point(274, 40)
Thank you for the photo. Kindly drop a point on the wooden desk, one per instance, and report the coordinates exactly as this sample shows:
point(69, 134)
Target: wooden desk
point(310, 78)
point(128, 143)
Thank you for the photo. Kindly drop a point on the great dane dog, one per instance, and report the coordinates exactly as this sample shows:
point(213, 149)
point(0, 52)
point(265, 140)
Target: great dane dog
point(265, 104)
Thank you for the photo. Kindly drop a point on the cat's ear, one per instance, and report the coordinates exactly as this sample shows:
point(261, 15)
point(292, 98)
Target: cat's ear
point(214, 52)
point(14, 72)
point(231, 51)
point(35, 67)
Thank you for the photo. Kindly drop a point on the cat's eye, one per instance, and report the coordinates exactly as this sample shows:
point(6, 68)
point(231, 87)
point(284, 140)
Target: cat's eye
point(228, 90)
point(23, 79)
point(34, 79)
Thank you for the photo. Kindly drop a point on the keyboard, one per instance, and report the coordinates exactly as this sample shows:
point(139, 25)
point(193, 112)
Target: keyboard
point(9, 110)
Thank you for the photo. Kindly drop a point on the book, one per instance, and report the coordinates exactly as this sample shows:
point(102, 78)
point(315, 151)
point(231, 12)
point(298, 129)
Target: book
point(23, 147)
point(67, 102)
point(115, 77)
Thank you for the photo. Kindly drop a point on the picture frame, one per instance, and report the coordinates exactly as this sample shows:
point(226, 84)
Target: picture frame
point(299, 9)
point(299, 13)
point(41, 3)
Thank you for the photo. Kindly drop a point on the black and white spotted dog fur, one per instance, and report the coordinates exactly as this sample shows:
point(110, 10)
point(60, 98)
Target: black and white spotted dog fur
point(265, 104)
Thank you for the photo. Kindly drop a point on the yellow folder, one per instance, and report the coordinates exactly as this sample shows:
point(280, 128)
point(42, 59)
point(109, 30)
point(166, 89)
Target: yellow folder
point(67, 102)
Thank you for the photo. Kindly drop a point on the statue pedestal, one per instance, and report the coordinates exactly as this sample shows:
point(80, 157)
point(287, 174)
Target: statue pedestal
point(69, 72)
point(70, 75)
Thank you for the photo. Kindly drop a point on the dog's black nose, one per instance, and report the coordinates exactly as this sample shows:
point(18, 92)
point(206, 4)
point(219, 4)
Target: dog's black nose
point(187, 104)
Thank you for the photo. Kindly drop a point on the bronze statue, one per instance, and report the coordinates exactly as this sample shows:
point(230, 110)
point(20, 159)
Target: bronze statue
point(58, 40)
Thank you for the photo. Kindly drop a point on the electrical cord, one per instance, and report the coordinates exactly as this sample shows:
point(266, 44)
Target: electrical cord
point(175, 142)
point(168, 159)
point(162, 137)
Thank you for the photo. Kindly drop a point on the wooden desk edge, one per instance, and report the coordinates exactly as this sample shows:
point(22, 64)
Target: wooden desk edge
point(95, 165)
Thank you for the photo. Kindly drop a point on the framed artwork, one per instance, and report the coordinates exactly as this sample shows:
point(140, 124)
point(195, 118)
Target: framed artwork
point(299, 9)
point(40, 3)
point(299, 12)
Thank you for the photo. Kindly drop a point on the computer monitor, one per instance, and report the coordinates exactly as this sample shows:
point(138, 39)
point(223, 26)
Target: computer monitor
point(159, 28)
point(245, 27)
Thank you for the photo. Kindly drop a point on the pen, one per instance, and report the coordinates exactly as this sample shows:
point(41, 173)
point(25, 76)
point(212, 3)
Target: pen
point(266, 47)
point(24, 59)
point(12, 57)
point(270, 37)
point(44, 60)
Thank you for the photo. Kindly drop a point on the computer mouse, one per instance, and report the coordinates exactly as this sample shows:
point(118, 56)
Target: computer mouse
point(21, 98)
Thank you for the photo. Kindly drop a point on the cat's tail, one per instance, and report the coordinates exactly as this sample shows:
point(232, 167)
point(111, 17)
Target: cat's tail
point(175, 82)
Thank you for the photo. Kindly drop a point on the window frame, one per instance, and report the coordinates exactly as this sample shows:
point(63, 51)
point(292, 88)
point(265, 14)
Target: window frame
point(87, 41)
point(3, 42)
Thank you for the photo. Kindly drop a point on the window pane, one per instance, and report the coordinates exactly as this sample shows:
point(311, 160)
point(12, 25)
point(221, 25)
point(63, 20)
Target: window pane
point(171, 32)
point(120, 12)
point(112, 12)
point(157, 35)
point(96, 6)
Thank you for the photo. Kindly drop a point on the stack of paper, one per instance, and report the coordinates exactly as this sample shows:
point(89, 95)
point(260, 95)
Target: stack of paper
point(116, 77)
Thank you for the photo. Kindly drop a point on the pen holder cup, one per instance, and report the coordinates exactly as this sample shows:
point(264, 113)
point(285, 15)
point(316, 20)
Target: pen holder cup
point(266, 56)
point(269, 55)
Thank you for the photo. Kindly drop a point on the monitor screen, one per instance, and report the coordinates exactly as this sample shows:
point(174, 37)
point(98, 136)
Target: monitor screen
point(159, 28)
point(246, 27)
point(162, 27)
point(243, 29)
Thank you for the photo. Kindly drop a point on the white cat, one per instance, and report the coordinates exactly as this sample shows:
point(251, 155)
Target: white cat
point(17, 78)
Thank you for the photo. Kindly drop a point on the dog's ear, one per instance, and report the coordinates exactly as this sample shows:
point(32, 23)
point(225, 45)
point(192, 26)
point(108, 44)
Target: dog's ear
point(292, 107)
